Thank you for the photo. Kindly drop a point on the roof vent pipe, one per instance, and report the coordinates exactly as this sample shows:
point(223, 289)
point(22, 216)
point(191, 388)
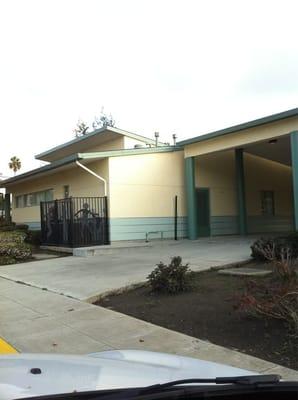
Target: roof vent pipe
point(174, 138)
point(156, 134)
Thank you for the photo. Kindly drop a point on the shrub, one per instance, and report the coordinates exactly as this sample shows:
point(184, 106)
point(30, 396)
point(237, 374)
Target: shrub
point(12, 237)
point(12, 245)
point(264, 249)
point(277, 300)
point(5, 260)
point(282, 252)
point(18, 251)
point(172, 278)
point(21, 227)
point(33, 237)
point(269, 249)
point(6, 228)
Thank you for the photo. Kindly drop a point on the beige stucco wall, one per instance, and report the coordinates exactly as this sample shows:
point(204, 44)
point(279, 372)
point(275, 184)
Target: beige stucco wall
point(80, 183)
point(216, 171)
point(145, 185)
point(262, 174)
point(242, 138)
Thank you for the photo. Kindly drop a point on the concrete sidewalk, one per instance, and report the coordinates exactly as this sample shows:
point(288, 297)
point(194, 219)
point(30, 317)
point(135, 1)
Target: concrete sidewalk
point(84, 278)
point(35, 320)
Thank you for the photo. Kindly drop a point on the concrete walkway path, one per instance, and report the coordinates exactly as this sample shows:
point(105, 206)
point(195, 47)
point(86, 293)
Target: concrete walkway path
point(84, 278)
point(38, 318)
point(35, 320)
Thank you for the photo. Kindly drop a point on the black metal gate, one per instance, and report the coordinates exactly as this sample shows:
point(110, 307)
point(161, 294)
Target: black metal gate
point(75, 222)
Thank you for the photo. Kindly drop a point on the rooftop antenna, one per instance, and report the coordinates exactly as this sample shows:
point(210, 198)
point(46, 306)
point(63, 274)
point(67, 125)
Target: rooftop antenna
point(156, 134)
point(174, 136)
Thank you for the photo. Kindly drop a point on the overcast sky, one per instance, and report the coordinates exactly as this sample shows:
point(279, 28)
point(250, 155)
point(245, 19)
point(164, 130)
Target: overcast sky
point(184, 67)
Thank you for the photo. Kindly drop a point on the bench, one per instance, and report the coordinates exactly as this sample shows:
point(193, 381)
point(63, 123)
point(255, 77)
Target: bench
point(153, 233)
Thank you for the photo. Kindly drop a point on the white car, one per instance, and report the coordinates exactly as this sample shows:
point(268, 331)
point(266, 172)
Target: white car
point(130, 374)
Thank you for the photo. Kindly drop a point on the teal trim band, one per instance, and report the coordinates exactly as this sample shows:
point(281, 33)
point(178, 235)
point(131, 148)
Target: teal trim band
point(294, 152)
point(191, 197)
point(240, 187)
point(269, 223)
point(224, 225)
point(135, 228)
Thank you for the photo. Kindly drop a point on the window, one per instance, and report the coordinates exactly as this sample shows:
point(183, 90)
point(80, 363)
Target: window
point(49, 195)
point(66, 191)
point(19, 202)
point(33, 199)
point(267, 201)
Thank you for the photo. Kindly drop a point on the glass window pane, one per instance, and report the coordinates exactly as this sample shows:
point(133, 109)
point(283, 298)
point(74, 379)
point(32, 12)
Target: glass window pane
point(19, 201)
point(49, 195)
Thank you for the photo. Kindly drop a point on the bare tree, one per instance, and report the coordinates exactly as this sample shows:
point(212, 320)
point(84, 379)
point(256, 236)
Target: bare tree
point(81, 129)
point(103, 120)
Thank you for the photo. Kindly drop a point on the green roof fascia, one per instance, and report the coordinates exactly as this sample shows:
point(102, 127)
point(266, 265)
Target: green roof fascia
point(241, 127)
point(129, 152)
point(94, 133)
point(45, 168)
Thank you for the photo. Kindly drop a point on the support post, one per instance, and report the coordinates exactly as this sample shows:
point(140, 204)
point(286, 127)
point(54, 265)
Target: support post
point(294, 153)
point(191, 197)
point(176, 218)
point(7, 208)
point(240, 188)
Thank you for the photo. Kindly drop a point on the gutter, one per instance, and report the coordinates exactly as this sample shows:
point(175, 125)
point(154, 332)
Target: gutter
point(94, 174)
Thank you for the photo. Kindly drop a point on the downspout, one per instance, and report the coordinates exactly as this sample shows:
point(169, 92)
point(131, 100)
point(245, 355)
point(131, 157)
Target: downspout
point(94, 174)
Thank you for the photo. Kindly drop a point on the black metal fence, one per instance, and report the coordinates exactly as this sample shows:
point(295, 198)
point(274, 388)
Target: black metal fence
point(75, 222)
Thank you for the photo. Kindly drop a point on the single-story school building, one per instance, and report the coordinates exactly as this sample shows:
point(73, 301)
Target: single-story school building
point(238, 180)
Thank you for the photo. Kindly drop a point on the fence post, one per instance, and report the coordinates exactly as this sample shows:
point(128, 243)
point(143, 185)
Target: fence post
point(107, 227)
point(176, 217)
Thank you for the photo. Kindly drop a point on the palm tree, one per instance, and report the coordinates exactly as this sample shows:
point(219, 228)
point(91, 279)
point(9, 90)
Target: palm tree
point(15, 164)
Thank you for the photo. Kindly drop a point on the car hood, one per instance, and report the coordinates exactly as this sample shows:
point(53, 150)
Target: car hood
point(106, 370)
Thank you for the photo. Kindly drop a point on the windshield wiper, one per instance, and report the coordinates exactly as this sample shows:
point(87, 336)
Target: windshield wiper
point(237, 380)
point(247, 381)
point(181, 385)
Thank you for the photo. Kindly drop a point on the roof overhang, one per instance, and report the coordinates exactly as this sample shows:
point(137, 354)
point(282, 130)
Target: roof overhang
point(251, 124)
point(85, 142)
point(59, 164)
point(85, 158)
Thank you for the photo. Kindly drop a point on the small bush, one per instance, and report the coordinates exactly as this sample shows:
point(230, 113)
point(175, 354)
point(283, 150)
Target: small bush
point(12, 246)
point(5, 260)
point(282, 252)
point(274, 300)
point(21, 227)
point(264, 249)
point(172, 278)
point(18, 251)
point(33, 237)
point(6, 228)
point(269, 249)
